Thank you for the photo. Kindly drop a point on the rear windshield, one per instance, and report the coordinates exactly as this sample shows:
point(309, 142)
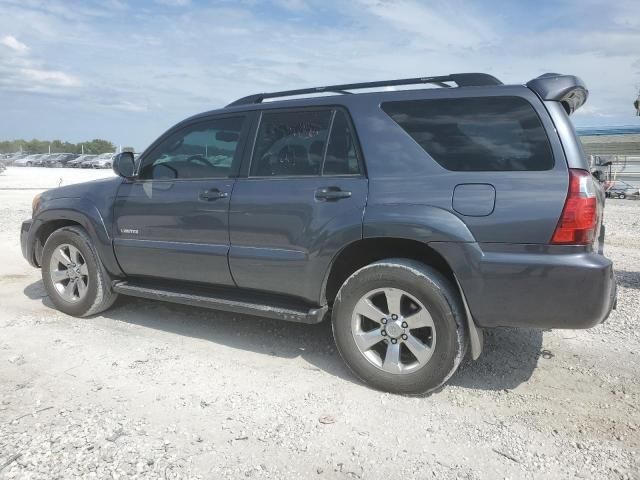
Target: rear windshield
point(476, 134)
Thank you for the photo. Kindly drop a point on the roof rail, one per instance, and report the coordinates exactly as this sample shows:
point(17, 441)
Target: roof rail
point(460, 79)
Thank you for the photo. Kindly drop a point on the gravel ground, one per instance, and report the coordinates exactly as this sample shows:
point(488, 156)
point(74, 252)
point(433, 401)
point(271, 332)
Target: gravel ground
point(152, 390)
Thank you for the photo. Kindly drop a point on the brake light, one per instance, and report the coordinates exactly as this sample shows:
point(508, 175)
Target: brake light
point(577, 225)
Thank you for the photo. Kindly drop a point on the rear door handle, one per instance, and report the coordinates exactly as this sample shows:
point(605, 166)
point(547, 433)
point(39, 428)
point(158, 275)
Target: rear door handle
point(332, 193)
point(213, 194)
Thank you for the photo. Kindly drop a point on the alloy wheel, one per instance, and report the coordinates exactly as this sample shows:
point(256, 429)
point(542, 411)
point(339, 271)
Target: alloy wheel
point(393, 330)
point(69, 273)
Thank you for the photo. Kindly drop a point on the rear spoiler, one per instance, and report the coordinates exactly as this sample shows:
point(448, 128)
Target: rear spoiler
point(566, 89)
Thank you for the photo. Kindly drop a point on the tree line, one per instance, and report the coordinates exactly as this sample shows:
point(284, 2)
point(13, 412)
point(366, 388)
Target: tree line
point(95, 146)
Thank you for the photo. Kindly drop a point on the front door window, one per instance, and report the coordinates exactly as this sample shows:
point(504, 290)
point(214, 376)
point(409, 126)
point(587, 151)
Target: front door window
point(202, 150)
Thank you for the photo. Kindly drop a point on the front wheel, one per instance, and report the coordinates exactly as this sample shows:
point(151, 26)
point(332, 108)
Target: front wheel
point(400, 326)
point(73, 276)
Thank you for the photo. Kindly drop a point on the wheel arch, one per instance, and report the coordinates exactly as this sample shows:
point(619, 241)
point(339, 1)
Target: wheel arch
point(368, 250)
point(82, 214)
point(404, 231)
point(44, 232)
point(397, 230)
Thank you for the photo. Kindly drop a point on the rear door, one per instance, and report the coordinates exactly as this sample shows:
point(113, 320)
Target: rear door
point(302, 201)
point(172, 221)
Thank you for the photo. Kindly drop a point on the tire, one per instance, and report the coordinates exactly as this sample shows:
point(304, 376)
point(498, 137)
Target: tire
point(96, 294)
point(442, 344)
point(29, 164)
point(622, 196)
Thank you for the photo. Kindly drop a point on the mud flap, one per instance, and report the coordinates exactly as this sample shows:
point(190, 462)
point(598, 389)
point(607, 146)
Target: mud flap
point(476, 338)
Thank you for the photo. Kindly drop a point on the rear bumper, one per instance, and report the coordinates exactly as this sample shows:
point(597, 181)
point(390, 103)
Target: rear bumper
point(534, 286)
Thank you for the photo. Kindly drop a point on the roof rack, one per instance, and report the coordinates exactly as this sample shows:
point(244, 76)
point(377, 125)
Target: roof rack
point(460, 79)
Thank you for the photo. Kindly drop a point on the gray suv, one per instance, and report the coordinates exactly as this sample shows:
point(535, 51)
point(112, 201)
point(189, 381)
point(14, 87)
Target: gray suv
point(413, 218)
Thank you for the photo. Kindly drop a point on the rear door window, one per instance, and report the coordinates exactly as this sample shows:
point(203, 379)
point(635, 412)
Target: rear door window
point(476, 134)
point(291, 143)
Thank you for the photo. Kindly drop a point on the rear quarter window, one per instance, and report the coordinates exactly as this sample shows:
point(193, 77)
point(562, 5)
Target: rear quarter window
point(476, 134)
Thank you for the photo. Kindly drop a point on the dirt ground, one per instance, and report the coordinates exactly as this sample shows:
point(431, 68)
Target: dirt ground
point(153, 390)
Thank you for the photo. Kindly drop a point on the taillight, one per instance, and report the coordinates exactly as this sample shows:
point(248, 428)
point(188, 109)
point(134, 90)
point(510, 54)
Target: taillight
point(577, 225)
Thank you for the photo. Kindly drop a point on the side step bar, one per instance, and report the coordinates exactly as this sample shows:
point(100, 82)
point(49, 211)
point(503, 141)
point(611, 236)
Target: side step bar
point(228, 303)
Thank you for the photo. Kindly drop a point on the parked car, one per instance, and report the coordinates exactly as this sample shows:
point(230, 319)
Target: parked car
point(98, 161)
point(42, 159)
point(104, 160)
point(76, 162)
point(11, 158)
point(28, 161)
point(88, 163)
point(50, 159)
point(20, 162)
point(414, 218)
point(620, 189)
point(59, 160)
point(64, 161)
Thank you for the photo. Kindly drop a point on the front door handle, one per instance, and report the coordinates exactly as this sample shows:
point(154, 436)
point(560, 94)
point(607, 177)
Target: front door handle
point(212, 194)
point(332, 193)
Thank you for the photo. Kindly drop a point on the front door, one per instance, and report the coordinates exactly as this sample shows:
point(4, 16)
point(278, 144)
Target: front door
point(172, 221)
point(302, 202)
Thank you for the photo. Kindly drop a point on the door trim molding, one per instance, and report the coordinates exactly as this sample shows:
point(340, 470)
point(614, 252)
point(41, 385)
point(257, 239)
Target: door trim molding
point(173, 247)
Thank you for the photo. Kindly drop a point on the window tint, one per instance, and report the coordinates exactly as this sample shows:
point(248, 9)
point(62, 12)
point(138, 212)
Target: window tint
point(476, 134)
point(341, 153)
point(290, 143)
point(203, 150)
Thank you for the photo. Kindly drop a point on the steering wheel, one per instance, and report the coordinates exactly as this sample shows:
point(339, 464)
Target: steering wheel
point(286, 159)
point(220, 161)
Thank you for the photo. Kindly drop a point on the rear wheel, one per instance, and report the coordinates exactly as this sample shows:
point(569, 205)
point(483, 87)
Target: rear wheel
point(399, 326)
point(73, 275)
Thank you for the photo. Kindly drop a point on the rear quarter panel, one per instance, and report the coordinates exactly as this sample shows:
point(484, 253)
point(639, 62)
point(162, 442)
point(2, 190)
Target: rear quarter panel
point(527, 206)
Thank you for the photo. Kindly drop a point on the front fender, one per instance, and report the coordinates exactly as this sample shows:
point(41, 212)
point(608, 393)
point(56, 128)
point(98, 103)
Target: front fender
point(423, 223)
point(85, 213)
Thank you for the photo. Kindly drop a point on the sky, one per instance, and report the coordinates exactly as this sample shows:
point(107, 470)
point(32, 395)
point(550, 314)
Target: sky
point(128, 70)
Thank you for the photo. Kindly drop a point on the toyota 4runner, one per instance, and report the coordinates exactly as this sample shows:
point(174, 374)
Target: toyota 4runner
point(414, 218)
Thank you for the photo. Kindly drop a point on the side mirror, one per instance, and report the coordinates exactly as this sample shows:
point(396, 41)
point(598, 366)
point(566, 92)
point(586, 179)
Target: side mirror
point(124, 165)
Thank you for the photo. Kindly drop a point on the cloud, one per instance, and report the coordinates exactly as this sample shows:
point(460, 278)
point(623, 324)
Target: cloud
point(49, 77)
point(435, 23)
point(21, 72)
point(293, 5)
point(174, 3)
point(592, 111)
point(159, 65)
point(14, 44)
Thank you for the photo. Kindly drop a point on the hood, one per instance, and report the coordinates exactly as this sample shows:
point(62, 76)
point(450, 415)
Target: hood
point(104, 187)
